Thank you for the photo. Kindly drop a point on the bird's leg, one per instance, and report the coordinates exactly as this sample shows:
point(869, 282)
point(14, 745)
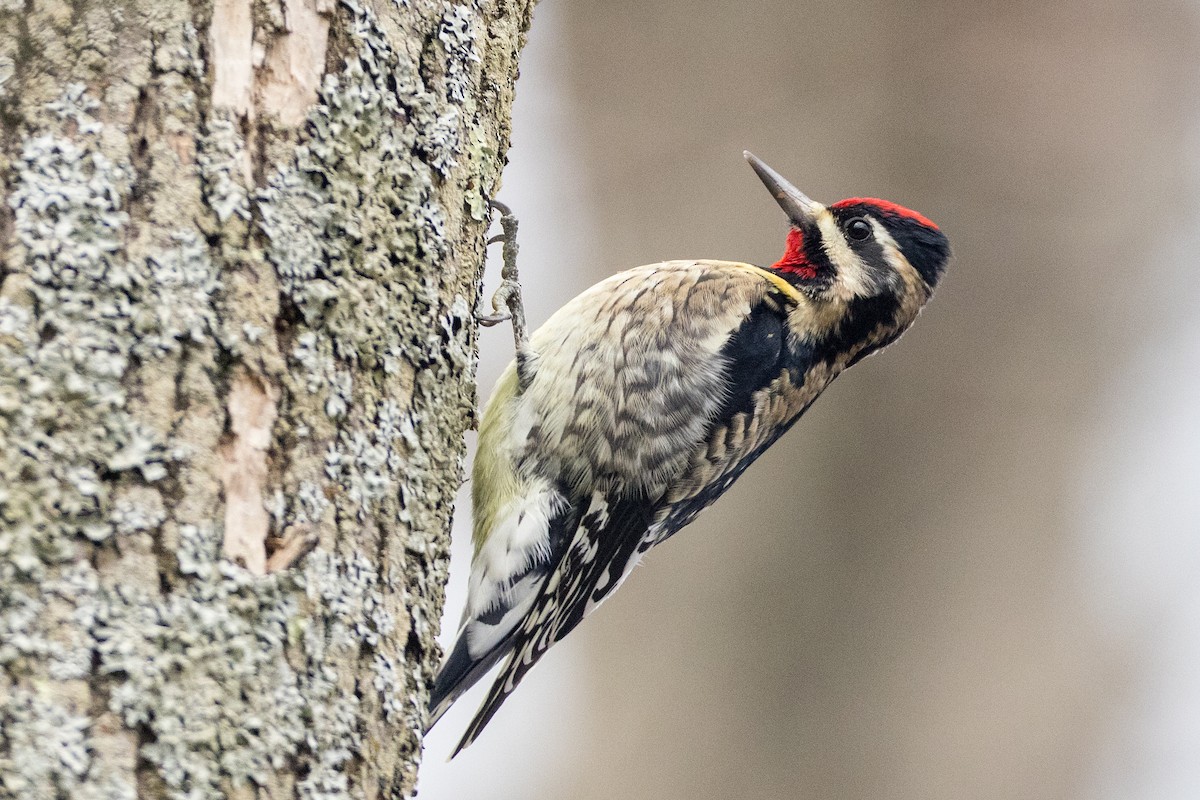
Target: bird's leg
point(506, 302)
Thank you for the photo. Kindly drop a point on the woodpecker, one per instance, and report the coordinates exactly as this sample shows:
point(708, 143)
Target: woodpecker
point(642, 400)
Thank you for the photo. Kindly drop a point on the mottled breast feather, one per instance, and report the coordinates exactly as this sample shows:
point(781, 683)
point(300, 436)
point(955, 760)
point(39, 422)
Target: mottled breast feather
point(631, 413)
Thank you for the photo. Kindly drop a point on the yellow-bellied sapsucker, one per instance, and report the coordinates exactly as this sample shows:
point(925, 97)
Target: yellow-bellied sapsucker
point(643, 399)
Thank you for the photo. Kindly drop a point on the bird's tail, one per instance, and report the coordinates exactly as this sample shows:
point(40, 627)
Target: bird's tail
point(487, 634)
point(457, 675)
point(491, 633)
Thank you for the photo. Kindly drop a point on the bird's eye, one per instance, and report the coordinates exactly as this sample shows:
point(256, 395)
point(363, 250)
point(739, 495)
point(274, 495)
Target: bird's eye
point(859, 229)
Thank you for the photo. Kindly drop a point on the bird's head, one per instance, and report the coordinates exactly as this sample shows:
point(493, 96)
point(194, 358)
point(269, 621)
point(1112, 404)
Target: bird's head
point(859, 257)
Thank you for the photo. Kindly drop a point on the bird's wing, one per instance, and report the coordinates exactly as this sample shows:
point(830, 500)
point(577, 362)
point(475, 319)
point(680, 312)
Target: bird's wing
point(606, 538)
point(614, 529)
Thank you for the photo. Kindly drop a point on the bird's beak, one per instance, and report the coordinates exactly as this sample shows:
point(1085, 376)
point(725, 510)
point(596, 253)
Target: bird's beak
point(799, 207)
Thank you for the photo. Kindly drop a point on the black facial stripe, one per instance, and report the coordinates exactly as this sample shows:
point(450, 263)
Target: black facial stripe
point(844, 214)
point(814, 252)
point(927, 249)
point(870, 251)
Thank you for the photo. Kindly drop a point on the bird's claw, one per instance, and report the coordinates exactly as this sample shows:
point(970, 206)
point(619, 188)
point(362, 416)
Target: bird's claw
point(506, 302)
point(502, 304)
point(491, 320)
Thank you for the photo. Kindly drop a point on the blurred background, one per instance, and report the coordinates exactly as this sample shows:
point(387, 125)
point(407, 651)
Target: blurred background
point(971, 570)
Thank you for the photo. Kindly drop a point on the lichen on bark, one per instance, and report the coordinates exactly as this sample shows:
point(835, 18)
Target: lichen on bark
point(210, 305)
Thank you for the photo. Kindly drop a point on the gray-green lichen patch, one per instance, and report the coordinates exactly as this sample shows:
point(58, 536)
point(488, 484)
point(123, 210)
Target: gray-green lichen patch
point(78, 468)
point(349, 225)
point(204, 671)
point(61, 370)
point(355, 231)
point(185, 281)
point(222, 160)
point(367, 463)
point(49, 742)
point(457, 35)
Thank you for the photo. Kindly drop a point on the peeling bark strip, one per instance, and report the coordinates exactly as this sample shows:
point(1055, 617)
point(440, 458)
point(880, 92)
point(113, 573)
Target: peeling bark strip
point(233, 56)
point(276, 69)
point(244, 472)
point(295, 60)
point(219, 353)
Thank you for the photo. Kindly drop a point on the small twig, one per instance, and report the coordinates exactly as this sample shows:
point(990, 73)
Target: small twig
point(293, 544)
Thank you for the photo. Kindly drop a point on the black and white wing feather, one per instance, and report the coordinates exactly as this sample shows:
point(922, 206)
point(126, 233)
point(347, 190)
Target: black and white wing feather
point(606, 540)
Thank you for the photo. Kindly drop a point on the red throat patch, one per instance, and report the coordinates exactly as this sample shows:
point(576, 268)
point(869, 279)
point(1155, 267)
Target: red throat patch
point(888, 207)
point(794, 261)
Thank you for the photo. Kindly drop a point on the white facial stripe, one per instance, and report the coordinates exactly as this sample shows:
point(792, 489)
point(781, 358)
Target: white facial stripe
point(915, 291)
point(892, 252)
point(853, 277)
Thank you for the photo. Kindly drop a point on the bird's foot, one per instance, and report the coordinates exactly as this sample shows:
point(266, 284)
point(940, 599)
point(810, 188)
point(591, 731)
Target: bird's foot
point(507, 303)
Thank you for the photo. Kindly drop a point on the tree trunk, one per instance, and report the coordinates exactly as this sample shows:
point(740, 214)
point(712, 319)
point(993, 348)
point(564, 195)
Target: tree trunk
point(241, 252)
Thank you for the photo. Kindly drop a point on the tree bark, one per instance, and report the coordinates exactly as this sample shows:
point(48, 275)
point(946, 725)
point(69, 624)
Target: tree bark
point(242, 243)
